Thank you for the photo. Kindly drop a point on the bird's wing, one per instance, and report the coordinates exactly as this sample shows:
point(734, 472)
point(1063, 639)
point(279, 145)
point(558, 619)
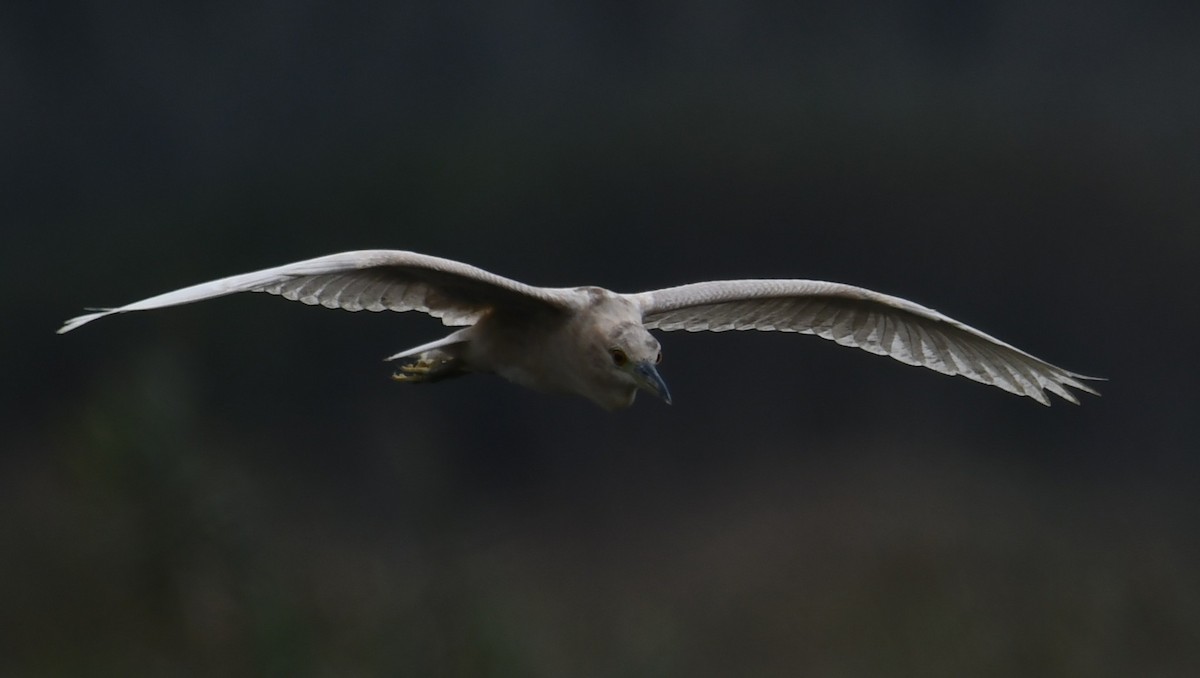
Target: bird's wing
point(853, 316)
point(374, 280)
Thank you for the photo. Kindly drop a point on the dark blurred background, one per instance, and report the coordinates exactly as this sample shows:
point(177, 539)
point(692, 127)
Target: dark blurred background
point(237, 488)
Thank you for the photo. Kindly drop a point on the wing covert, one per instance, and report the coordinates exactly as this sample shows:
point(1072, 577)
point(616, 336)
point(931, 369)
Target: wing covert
point(854, 316)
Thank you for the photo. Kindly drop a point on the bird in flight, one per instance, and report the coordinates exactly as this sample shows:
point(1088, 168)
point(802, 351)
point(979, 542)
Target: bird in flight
point(595, 343)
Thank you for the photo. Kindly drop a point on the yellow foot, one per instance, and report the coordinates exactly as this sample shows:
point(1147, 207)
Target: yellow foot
point(415, 372)
point(421, 370)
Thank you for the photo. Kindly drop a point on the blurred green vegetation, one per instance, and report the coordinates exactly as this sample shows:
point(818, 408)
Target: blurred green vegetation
point(151, 546)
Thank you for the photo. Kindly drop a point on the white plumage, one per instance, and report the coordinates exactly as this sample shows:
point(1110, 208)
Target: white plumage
point(593, 342)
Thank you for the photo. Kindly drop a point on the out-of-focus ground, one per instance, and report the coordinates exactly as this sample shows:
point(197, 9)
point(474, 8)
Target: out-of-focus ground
point(236, 488)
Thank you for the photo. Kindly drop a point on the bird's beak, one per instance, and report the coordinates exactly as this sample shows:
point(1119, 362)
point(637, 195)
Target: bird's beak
point(648, 379)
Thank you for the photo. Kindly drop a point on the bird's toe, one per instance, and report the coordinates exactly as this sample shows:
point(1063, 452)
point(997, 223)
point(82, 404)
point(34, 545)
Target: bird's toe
point(427, 368)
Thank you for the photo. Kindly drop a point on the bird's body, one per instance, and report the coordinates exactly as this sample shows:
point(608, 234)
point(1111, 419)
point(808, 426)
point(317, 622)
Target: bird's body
point(596, 343)
point(552, 350)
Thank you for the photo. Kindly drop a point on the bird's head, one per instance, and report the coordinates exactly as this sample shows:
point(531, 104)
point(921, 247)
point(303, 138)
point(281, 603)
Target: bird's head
point(631, 357)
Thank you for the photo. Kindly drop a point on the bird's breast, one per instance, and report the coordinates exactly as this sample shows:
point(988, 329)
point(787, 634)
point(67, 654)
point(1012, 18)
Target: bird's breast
point(538, 352)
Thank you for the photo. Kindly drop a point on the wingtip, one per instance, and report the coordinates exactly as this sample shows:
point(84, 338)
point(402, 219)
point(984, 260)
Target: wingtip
point(80, 320)
point(1077, 382)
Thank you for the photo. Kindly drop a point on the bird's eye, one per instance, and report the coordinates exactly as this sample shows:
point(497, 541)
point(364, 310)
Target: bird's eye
point(618, 357)
point(658, 358)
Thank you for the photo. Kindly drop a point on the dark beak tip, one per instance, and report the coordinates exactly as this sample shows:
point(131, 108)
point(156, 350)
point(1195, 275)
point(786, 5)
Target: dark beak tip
point(655, 385)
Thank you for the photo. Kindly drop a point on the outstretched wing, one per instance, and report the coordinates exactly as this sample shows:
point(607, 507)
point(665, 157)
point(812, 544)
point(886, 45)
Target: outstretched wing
point(853, 316)
point(374, 280)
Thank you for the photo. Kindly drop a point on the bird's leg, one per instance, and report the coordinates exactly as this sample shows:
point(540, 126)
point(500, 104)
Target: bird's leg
point(429, 367)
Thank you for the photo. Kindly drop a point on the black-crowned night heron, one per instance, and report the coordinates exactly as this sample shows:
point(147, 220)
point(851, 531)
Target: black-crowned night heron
point(597, 344)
